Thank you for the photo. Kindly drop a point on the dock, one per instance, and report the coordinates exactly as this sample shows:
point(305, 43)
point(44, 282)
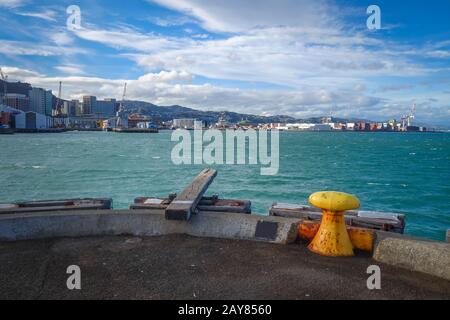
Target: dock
point(135, 130)
point(6, 131)
point(191, 246)
point(194, 268)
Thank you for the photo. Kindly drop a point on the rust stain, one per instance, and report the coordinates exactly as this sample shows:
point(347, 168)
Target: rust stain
point(362, 239)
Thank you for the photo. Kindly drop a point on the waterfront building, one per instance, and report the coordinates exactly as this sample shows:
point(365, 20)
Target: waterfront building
point(41, 100)
point(89, 104)
point(184, 124)
point(4, 119)
point(32, 120)
point(104, 108)
point(65, 110)
point(7, 116)
point(15, 87)
point(222, 123)
point(74, 108)
point(326, 120)
point(17, 101)
point(322, 127)
point(82, 122)
point(299, 126)
point(350, 126)
point(199, 125)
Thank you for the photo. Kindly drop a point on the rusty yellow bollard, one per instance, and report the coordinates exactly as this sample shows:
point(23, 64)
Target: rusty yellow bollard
point(332, 239)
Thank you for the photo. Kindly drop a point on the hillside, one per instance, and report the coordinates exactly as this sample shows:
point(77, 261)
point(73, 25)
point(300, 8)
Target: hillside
point(167, 113)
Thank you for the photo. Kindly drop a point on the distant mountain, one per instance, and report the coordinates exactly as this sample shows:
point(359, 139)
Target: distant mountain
point(168, 113)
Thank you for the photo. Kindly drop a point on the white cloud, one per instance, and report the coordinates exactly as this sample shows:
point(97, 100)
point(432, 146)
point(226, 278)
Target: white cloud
point(169, 88)
point(171, 21)
point(242, 15)
point(19, 74)
point(12, 3)
point(61, 38)
point(292, 56)
point(298, 44)
point(71, 69)
point(22, 48)
point(48, 15)
point(439, 54)
point(130, 39)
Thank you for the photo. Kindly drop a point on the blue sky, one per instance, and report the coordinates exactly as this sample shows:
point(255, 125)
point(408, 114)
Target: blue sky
point(296, 57)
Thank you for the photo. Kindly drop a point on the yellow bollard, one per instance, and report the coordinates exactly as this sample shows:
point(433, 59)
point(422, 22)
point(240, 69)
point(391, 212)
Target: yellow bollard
point(332, 239)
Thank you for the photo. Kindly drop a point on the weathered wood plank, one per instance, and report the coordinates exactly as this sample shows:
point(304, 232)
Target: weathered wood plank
point(206, 204)
point(52, 208)
point(352, 218)
point(184, 204)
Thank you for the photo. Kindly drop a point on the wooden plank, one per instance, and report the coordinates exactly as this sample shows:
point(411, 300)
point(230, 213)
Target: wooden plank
point(52, 208)
point(184, 204)
point(56, 205)
point(352, 218)
point(206, 204)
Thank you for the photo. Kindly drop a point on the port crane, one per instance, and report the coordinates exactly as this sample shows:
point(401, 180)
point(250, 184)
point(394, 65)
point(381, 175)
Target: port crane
point(58, 101)
point(121, 108)
point(4, 77)
point(407, 120)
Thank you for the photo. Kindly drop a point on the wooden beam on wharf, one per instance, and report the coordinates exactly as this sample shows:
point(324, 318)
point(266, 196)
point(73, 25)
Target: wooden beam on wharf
point(186, 203)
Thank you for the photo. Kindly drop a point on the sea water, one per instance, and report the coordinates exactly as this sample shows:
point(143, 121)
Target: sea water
point(394, 172)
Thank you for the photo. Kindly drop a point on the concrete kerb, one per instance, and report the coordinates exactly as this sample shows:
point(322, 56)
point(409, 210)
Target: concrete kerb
point(417, 255)
point(423, 256)
point(145, 223)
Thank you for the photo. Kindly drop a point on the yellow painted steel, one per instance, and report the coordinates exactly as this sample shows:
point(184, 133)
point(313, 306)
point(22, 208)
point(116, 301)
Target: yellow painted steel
point(332, 239)
point(362, 239)
point(334, 201)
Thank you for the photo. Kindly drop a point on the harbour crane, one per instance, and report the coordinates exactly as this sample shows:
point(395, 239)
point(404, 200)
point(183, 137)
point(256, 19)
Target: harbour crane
point(58, 101)
point(412, 115)
point(4, 77)
point(408, 120)
point(121, 108)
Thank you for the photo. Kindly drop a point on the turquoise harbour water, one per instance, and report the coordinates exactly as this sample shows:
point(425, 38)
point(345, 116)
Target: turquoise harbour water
point(405, 173)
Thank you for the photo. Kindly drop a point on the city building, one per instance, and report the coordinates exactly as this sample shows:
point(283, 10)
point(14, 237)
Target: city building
point(41, 101)
point(299, 126)
point(104, 108)
point(82, 122)
point(184, 123)
point(65, 108)
point(17, 101)
point(350, 126)
point(14, 87)
point(89, 104)
point(322, 127)
point(32, 120)
point(7, 116)
point(74, 108)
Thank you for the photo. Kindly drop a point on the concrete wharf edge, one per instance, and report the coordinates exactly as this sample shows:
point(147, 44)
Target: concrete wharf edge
point(424, 256)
